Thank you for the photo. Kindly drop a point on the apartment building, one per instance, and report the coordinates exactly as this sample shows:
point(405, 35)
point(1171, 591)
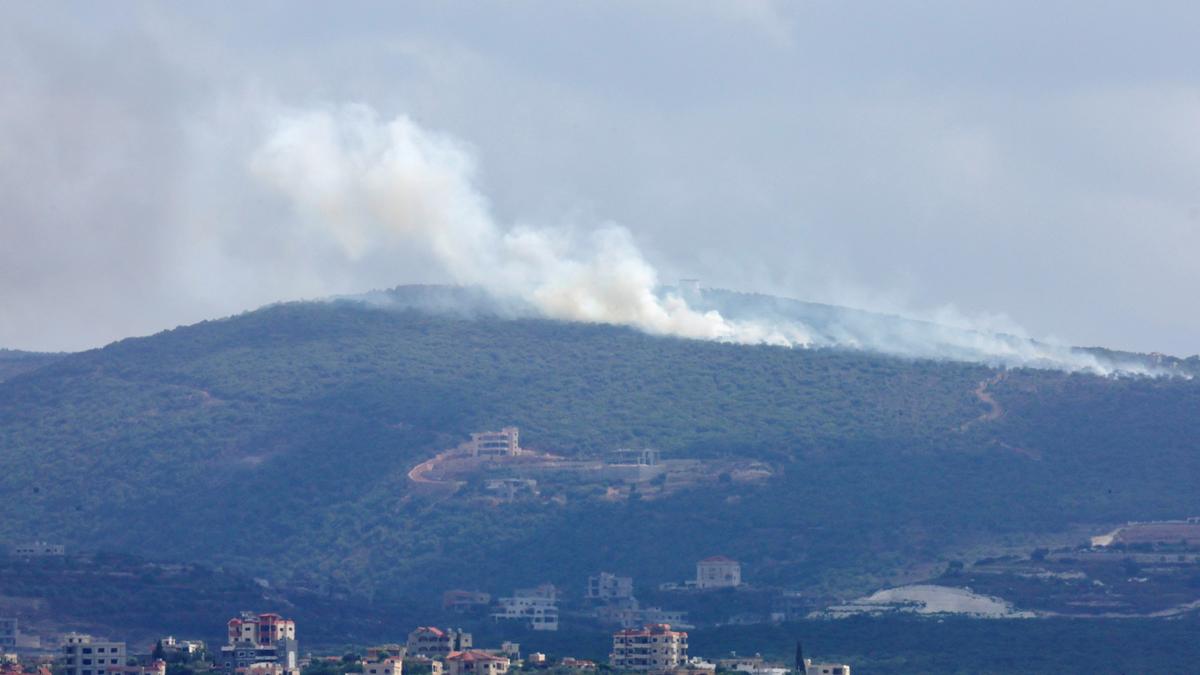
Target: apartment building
point(8, 634)
point(437, 643)
point(85, 655)
point(536, 607)
point(654, 647)
point(257, 639)
point(476, 663)
point(607, 586)
point(718, 572)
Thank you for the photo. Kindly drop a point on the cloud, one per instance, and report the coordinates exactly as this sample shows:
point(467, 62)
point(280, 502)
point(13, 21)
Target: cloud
point(928, 156)
point(370, 184)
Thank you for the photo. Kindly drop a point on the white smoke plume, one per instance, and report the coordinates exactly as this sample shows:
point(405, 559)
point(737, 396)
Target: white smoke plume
point(363, 181)
point(366, 180)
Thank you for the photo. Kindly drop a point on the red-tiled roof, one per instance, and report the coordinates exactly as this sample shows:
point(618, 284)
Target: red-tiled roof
point(473, 655)
point(430, 629)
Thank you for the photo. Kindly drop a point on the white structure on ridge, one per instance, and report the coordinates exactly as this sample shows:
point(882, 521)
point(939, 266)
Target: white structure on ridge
point(503, 443)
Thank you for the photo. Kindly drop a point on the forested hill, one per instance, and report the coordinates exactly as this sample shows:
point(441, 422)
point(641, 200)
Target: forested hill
point(279, 442)
point(13, 362)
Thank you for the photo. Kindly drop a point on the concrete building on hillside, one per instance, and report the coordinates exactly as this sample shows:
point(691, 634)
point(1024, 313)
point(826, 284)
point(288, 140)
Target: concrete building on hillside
point(476, 663)
point(510, 489)
point(631, 615)
point(38, 549)
point(392, 665)
point(437, 643)
point(155, 667)
point(503, 443)
point(85, 655)
point(465, 601)
point(606, 586)
point(654, 647)
point(718, 572)
point(172, 645)
point(264, 668)
point(9, 634)
point(811, 668)
point(260, 640)
point(536, 607)
point(633, 465)
point(386, 651)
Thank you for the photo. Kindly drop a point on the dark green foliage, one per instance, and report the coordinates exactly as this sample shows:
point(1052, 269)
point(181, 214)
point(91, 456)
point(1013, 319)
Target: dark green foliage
point(14, 363)
point(278, 442)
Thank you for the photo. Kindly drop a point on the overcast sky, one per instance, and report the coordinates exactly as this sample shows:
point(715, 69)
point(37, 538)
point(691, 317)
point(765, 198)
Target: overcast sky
point(1036, 160)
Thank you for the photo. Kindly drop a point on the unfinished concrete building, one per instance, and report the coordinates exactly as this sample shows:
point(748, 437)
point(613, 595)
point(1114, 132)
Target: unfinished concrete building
point(503, 443)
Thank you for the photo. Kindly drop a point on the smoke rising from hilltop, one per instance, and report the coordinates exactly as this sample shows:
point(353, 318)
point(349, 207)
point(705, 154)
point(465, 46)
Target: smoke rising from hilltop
point(367, 182)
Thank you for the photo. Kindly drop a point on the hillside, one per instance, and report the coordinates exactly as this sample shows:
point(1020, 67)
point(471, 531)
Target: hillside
point(13, 363)
point(139, 600)
point(278, 442)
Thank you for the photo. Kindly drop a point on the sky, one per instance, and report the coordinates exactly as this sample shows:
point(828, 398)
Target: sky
point(1005, 163)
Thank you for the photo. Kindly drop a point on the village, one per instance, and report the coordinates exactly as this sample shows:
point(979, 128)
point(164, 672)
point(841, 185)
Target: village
point(645, 639)
point(1137, 569)
point(267, 644)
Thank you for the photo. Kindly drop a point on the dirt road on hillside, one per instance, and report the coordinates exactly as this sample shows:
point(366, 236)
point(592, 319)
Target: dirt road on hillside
point(995, 411)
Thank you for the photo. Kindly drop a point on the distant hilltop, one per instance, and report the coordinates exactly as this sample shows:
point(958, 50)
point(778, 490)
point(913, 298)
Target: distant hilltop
point(824, 326)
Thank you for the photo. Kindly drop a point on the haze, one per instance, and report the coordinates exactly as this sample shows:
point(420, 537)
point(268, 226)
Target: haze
point(1002, 164)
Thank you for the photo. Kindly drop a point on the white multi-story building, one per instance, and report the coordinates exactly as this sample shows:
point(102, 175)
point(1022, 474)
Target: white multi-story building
point(718, 572)
point(537, 607)
point(503, 443)
point(654, 647)
point(811, 668)
point(606, 586)
point(260, 640)
point(437, 643)
point(84, 655)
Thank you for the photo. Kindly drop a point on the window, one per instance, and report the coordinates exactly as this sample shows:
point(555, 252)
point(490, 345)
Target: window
point(87, 662)
point(87, 650)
